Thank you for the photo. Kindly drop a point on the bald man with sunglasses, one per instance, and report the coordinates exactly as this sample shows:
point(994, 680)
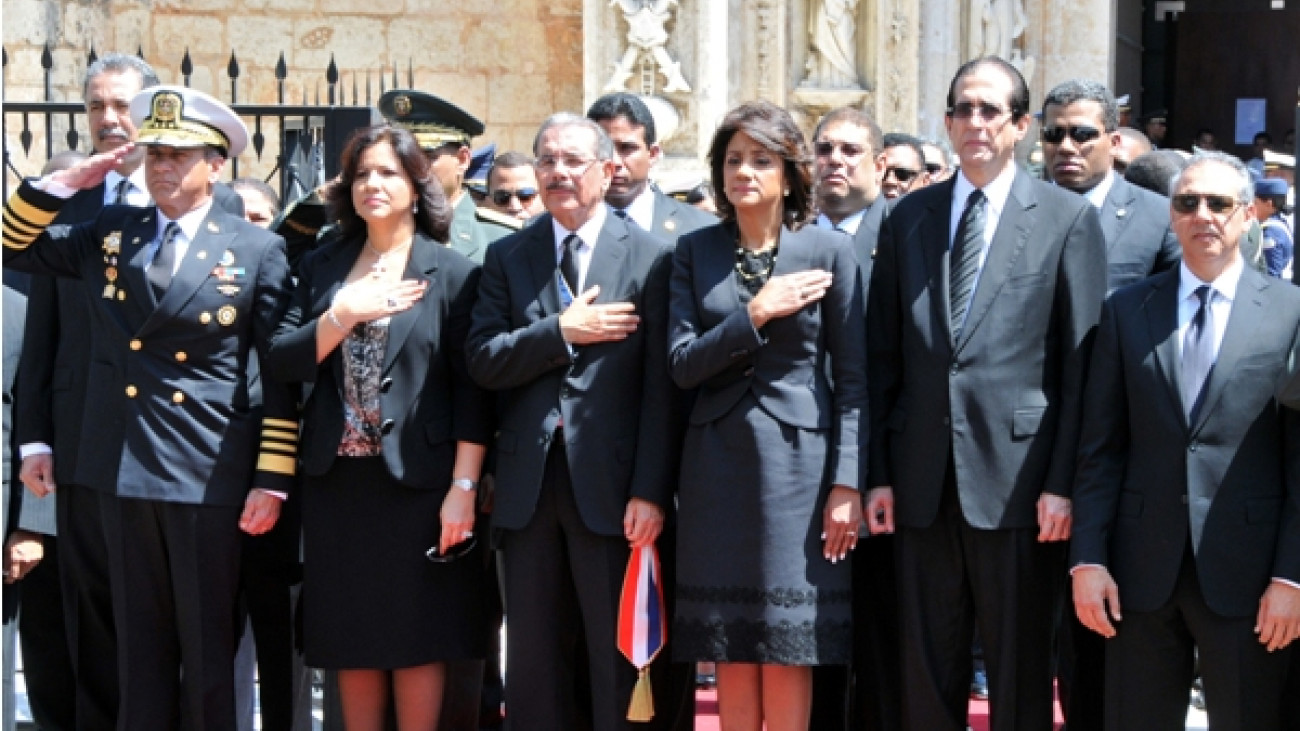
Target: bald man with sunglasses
point(1080, 131)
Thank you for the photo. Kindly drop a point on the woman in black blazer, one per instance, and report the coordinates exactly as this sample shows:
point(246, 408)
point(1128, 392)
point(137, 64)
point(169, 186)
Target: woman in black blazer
point(766, 314)
point(393, 437)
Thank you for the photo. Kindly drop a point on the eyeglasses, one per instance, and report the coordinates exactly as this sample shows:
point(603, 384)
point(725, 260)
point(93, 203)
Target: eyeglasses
point(902, 175)
point(1081, 134)
point(1189, 203)
point(571, 163)
point(826, 149)
point(460, 550)
point(966, 110)
point(501, 196)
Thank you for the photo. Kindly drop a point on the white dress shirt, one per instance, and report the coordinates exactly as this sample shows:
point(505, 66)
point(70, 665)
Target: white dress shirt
point(136, 195)
point(588, 233)
point(849, 225)
point(642, 209)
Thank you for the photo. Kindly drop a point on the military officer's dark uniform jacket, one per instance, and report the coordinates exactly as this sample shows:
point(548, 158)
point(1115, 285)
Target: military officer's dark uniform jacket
point(167, 404)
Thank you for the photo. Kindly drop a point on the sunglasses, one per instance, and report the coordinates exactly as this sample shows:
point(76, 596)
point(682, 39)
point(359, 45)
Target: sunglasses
point(1189, 203)
point(902, 175)
point(501, 196)
point(460, 550)
point(1081, 134)
point(933, 167)
point(826, 149)
point(966, 110)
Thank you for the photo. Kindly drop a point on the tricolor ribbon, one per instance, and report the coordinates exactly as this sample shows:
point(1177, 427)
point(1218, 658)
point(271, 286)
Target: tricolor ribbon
point(642, 626)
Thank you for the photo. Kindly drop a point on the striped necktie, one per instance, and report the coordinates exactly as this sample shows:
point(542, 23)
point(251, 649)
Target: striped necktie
point(964, 261)
point(164, 260)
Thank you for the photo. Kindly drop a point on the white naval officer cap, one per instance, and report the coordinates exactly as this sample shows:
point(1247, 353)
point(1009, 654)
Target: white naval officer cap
point(177, 116)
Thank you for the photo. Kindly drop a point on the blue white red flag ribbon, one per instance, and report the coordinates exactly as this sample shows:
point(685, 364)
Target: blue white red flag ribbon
point(642, 626)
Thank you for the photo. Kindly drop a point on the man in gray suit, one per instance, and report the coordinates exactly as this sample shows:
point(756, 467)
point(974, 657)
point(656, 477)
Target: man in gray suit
point(631, 127)
point(847, 172)
point(1080, 131)
point(571, 327)
point(1188, 486)
point(984, 293)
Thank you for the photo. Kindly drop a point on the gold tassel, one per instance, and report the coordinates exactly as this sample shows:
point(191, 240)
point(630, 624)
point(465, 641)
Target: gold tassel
point(642, 707)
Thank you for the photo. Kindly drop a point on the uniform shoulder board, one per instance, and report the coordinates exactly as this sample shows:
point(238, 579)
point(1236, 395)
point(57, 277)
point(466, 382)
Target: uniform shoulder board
point(490, 216)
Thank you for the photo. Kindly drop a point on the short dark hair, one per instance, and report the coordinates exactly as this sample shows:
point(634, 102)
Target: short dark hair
point(1085, 90)
point(433, 218)
point(261, 187)
point(900, 139)
point(774, 129)
point(857, 117)
point(506, 161)
point(629, 106)
point(1262, 135)
point(1019, 100)
point(1155, 171)
point(117, 63)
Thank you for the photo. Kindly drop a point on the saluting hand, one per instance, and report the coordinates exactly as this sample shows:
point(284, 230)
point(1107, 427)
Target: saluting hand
point(787, 294)
point(90, 172)
point(583, 323)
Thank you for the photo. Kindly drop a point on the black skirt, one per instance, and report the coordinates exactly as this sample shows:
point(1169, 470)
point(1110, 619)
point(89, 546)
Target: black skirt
point(371, 599)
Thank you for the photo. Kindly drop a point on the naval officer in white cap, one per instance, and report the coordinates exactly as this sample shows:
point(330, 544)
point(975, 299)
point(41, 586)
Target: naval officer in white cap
point(181, 462)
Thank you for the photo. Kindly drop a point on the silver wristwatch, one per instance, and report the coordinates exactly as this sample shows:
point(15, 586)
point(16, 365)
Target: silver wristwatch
point(464, 483)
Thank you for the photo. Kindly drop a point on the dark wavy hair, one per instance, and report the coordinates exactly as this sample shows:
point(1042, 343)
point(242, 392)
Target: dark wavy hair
point(1019, 101)
point(433, 218)
point(774, 129)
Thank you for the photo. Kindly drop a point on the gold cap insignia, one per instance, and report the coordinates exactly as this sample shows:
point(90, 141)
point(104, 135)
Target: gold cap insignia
point(166, 108)
point(402, 105)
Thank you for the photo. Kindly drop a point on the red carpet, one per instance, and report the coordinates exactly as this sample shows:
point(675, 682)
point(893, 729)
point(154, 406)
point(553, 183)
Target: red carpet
point(706, 713)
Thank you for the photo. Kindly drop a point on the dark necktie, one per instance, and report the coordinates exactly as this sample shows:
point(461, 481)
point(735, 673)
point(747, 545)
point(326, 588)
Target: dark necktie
point(119, 195)
point(621, 213)
point(964, 261)
point(1198, 353)
point(569, 263)
point(160, 271)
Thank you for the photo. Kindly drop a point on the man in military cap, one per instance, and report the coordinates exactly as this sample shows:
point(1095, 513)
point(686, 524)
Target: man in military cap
point(1155, 124)
point(476, 176)
point(444, 131)
point(183, 291)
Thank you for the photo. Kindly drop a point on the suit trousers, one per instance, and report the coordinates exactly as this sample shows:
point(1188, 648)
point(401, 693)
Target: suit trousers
point(1150, 665)
point(47, 664)
point(174, 571)
point(88, 606)
point(864, 696)
point(952, 578)
point(562, 581)
point(1081, 669)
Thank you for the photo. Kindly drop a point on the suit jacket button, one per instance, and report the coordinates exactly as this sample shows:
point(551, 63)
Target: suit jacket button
point(386, 427)
point(748, 372)
point(385, 385)
point(178, 398)
point(136, 344)
point(131, 391)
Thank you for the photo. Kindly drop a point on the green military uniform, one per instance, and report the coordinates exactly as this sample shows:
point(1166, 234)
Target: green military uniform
point(473, 228)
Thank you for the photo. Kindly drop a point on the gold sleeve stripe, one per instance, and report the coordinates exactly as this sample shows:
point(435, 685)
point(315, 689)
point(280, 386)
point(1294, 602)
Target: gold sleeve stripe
point(26, 228)
point(18, 207)
point(19, 235)
point(11, 242)
point(287, 436)
point(279, 448)
point(273, 423)
point(276, 463)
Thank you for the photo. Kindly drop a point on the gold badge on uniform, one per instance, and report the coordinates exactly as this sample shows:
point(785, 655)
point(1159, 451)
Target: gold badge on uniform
point(121, 295)
point(402, 105)
point(226, 315)
point(110, 289)
point(113, 243)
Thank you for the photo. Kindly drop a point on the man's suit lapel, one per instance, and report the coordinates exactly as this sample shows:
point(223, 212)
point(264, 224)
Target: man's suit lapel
point(1162, 327)
point(933, 237)
point(1004, 250)
point(205, 252)
point(422, 264)
point(1243, 320)
point(606, 265)
point(1116, 211)
point(539, 248)
point(137, 234)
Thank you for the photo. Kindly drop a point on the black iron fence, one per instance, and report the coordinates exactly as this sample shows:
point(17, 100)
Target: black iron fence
point(304, 141)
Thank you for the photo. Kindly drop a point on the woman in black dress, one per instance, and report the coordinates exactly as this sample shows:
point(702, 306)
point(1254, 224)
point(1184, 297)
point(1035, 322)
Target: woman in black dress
point(762, 309)
point(393, 436)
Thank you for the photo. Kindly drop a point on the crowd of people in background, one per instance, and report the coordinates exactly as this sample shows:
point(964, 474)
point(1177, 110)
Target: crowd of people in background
point(901, 422)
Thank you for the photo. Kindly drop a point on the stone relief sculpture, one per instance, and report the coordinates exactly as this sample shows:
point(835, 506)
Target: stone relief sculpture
point(646, 36)
point(995, 28)
point(832, 45)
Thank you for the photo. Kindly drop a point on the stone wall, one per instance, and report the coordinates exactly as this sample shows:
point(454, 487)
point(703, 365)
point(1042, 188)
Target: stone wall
point(508, 62)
